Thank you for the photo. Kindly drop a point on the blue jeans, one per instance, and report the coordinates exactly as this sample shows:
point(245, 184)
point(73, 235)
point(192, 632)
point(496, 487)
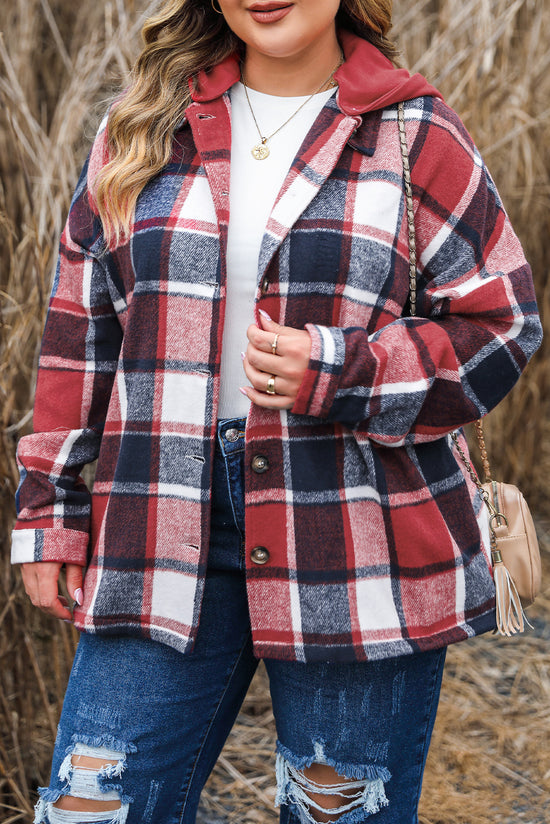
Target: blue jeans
point(159, 719)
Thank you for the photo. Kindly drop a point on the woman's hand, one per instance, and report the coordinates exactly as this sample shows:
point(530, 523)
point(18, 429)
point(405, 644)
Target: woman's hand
point(276, 359)
point(41, 581)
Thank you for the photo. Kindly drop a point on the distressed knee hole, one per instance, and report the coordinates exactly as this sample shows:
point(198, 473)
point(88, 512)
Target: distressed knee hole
point(330, 790)
point(85, 771)
point(320, 790)
point(89, 794)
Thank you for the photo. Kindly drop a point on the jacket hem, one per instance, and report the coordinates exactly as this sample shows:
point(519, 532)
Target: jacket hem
point(313, 653)
point(176, 640)
point(310, 653)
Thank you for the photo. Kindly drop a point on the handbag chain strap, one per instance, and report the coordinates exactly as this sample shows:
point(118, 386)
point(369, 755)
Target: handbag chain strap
point(409, 204)
point(483, 452)
point(412, 300)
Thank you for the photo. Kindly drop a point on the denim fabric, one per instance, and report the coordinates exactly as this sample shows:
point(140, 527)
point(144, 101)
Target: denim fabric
point(164, 717)
point(227, 518)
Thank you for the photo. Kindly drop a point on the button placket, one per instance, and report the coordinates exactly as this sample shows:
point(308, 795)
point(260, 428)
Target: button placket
point(259, 555)
point(260, 463)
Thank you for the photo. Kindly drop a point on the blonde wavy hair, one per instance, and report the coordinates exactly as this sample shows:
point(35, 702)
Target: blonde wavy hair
point(183, 38)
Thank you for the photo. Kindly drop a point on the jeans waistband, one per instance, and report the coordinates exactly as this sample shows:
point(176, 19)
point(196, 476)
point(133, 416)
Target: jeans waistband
point(231, 435)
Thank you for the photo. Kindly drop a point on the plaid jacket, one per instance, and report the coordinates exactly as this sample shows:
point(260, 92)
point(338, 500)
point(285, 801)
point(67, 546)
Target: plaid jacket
point(376, 540)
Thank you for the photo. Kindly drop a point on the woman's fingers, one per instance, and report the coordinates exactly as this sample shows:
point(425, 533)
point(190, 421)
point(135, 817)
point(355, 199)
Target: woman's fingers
point(276, 360)
point(275, 380)
point(41, 581)
point(283, 345)
point(269, 341)
point(264, 362)
point(260, 378)
point(268, 401)
point(74, 578)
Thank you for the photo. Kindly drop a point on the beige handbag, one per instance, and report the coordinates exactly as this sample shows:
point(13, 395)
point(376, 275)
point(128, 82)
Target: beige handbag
point(516, 539)
point(515, 550)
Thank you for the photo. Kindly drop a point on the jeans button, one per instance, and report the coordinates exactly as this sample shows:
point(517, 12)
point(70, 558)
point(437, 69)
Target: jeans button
point(259, 555)
point(232, 435)
point(260, 464)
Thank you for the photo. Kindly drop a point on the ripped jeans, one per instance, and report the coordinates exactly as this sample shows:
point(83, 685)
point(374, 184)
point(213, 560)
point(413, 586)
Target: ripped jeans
point(157, 720)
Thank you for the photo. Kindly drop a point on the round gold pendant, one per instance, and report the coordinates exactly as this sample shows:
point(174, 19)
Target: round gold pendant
point(260, 152)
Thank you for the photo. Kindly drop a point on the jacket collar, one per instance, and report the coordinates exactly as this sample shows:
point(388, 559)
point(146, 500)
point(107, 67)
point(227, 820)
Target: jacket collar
point(367, 81)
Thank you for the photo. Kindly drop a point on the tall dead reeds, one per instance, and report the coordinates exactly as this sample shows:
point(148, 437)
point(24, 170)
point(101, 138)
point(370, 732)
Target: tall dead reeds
point(491, 61)
point(59, 63)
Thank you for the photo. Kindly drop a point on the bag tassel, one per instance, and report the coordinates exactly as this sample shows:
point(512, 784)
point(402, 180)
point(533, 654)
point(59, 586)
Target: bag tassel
point(509, 612)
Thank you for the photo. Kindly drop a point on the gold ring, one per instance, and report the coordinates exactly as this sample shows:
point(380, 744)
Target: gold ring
point(271, 386)
point(274, 344)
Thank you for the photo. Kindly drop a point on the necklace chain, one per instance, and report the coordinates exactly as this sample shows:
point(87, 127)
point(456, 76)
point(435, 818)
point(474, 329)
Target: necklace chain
point(260, 151)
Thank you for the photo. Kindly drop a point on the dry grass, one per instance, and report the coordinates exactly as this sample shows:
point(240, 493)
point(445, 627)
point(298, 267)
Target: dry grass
point(59, 61)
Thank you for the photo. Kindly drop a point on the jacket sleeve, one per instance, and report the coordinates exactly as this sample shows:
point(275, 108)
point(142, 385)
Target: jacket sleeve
point(418, 378)
point(78, 358)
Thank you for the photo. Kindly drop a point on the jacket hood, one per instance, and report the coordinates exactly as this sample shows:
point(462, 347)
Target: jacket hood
point(367, 80)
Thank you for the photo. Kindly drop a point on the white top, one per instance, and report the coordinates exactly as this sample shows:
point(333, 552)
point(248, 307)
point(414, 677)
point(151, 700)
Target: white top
point(254, 186)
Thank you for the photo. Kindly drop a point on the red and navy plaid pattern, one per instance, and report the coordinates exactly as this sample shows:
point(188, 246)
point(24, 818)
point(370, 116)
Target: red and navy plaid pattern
point(376, 536)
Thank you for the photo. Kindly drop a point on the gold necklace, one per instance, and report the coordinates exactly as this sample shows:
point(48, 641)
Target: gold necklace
point(261, 150)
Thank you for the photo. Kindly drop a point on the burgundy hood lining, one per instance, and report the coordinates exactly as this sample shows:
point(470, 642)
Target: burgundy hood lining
point(367, 81)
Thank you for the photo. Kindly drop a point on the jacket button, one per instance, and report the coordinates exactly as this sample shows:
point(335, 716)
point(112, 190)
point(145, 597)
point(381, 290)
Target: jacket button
point(259, 555)
point(232, 435)
point(260, 464)
point(265, 285)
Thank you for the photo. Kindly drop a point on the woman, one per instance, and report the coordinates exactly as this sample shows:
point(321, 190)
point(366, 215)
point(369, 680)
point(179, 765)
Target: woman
point(246, 193)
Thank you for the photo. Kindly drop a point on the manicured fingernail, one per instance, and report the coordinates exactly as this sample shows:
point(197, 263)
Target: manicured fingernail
point(243, 391)
point(264, 314)
point(243, 356)
point(78, 596)
point(66, 621)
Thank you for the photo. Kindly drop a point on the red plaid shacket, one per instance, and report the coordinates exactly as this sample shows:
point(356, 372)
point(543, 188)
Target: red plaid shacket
point(376, 537)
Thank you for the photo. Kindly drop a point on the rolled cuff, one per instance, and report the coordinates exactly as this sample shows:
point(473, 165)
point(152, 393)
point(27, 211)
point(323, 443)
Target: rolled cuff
point(66, 546)
point(322, 377)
